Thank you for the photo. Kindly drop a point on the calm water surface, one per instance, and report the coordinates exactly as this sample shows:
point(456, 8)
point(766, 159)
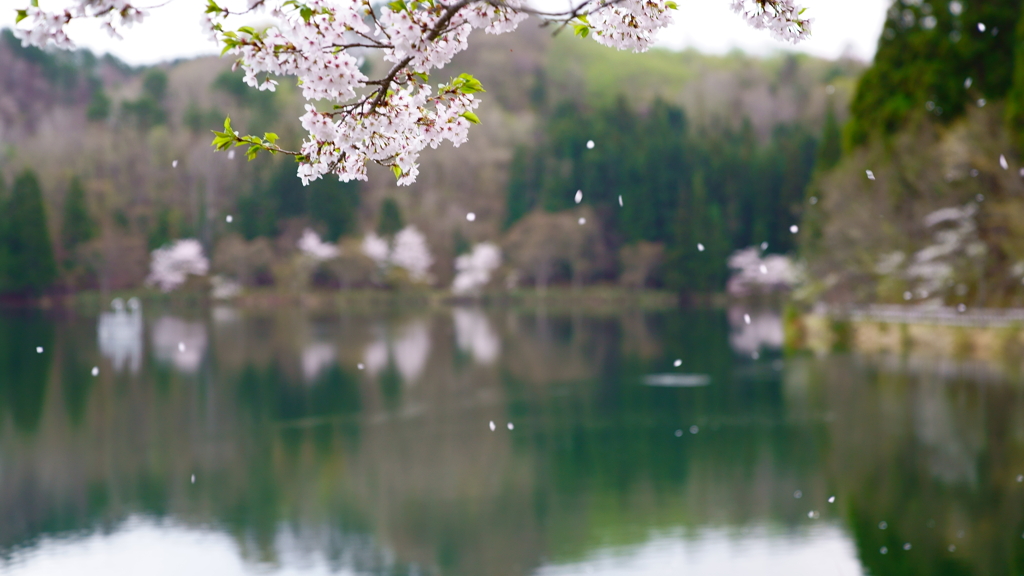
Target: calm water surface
point(232, 442)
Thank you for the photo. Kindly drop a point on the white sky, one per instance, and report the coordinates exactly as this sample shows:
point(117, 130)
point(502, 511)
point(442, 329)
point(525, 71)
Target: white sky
point(840, 26)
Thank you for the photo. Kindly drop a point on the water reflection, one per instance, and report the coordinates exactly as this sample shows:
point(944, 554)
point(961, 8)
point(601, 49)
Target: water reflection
point(119, 334)
point(178, 342)
point(305, 464)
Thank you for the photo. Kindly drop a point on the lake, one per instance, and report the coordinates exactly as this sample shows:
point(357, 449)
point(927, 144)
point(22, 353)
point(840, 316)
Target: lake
point(494, 442)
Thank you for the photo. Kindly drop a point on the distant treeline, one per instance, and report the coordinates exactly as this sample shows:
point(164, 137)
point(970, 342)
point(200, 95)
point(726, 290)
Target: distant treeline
point(701, 193)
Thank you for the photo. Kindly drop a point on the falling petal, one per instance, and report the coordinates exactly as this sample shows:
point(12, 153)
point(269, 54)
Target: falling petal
point(193, 478)
point(579, 196)
point(883, 525)
point(1020, 478)
point(981, 26)
point(794, 229)
point(39, 349)
point(679, 433)
point(677, 363)
point(510, 426)
point(590, 144)
point(181, 346)
point(871, 175)
point(95, 370)
point(694, 429)
point(907, 295)
point(582, 221)
point(174, 164)
point(814, 200)
point(492, 425)
point(1003, 162)
point(700, 247)
point(906, 546)
point(764, 269)
point(831, 499)
point(361, 366)
point(229, 219)
point(981, 102)
point(620, 195)
point(968, 82)
point(471, 216)
point(952, 547)
point(746, 318)
point(231, 154)
point(798, 494)
point(884, 550)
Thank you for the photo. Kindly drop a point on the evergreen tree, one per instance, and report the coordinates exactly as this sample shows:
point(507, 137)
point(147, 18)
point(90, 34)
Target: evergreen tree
point(924, 58)
point(1015, 100)
point(831, 148)
point(326, 201)
point(390, 221)
point(78, 225)
point(31, 267)
point(5, 253)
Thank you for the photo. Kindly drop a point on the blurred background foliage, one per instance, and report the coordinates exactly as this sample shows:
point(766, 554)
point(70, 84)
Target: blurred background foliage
point(723, 152)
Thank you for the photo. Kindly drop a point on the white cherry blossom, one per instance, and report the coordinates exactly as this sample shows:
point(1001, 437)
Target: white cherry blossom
point(352, 120)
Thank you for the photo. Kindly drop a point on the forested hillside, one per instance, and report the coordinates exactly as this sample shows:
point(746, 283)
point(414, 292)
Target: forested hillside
point(714, 150)
point(927, 202)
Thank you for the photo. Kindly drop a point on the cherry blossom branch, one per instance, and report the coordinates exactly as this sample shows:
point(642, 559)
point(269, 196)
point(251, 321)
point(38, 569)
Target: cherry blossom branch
point(390, 120)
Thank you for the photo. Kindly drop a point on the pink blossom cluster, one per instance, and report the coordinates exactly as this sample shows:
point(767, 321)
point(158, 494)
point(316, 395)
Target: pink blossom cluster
point(40, 27)
point(629, 24)
point(783, 18)
point(352, 120)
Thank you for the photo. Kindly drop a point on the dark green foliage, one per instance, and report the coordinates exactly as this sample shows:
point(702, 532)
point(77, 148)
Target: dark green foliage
point(198, 120)
point(99, 106)
point(390, 220)
point(1015, 99)
point(721, 188)
point(831, 148)
point(327, 201)
point(148, 111)
point(31, 267)
point(698, 222)
point(25, 373)
point(460, 244)
point(144, 113)
point(78, 225)
point(926, 54)
point(169, 225)
point(154, 84)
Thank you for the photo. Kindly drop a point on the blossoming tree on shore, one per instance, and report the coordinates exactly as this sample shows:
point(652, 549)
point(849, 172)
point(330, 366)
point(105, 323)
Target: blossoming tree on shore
point(351, 119)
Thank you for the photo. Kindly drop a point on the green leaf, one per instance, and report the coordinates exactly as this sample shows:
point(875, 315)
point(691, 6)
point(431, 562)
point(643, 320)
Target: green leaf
point(671, 5)
point(581, 30)
point(248, 30)
point(467, 84)
point(471, 117)
point(20, 15)
point(270, 137)
point(396, 170)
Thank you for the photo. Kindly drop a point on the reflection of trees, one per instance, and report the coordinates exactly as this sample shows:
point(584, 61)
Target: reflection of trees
point(324, 459)
point(935, 458)
point(24, 373)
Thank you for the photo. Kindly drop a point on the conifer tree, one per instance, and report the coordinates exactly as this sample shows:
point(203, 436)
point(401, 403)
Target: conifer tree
point(31, 267)
point(5, 255)
point(1015, 99)
point(78, 226)
point(831, 147)
point(390, 221)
